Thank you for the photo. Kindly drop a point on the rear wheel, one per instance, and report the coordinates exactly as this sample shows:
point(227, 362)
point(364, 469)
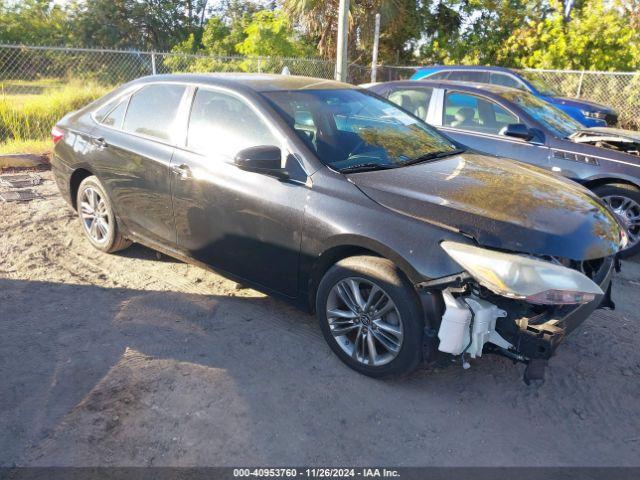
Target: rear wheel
point(97, 218)
point(370, 316)
point(624, 200)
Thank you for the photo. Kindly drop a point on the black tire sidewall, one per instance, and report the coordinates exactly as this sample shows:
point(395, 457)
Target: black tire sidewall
point(94, 183)
point(383, 273)
point(624, 191)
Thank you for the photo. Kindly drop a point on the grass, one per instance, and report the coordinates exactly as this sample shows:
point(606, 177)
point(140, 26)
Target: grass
point(32, 108)
point(36, 147)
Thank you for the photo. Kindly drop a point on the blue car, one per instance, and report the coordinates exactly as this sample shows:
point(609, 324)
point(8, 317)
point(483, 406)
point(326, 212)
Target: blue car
point(588, 114)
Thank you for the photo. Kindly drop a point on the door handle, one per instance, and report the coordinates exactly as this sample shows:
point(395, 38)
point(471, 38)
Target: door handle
point(99, 142)
point(183, 171)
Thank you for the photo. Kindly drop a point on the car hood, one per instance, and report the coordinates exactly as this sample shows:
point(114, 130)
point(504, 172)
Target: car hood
point(582, 104)
point(500, 203)
point(615, 139)
point(612, 133)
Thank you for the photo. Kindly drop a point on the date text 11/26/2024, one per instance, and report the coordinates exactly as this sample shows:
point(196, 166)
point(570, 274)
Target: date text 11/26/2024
point(316, 472)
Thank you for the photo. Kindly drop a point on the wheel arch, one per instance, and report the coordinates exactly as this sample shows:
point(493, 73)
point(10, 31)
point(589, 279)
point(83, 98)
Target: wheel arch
point(596, 182)
point(349, 246)
point(78, 175)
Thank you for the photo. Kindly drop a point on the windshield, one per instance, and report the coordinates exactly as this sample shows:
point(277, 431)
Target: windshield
point(539, 84)
point(555, 120)
point(352, 129)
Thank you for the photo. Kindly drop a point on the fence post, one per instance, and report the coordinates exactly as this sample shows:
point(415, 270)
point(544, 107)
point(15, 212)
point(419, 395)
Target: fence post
point(580, 85)
point(259, 64)
point(153, 63)
point(374, 55)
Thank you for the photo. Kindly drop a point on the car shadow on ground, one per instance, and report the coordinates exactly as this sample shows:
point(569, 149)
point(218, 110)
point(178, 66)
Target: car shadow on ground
point(142, 252)
point(116, 376)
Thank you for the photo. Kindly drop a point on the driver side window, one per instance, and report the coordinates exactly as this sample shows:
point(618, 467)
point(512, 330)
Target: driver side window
point(222, 124)
point(469, 112)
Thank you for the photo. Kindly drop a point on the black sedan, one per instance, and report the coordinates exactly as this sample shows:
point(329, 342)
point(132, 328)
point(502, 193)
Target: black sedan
point(515, 124)
point(338, 201)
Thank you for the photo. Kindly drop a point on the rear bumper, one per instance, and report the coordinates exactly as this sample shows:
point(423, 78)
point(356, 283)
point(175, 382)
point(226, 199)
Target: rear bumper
point(537, 338)
point(62, 176)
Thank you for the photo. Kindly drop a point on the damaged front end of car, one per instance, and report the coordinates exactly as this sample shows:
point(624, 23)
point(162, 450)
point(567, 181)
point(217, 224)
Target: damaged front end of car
point(515, 305)
point(623, 141)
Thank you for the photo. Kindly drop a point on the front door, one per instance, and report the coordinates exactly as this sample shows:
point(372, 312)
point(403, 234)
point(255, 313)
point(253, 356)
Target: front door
point(244, 223)
point(477, 121)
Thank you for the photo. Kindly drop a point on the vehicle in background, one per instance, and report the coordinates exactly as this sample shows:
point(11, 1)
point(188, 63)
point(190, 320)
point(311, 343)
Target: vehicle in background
point(339, 201)
point(514, 124)
point(589, 114)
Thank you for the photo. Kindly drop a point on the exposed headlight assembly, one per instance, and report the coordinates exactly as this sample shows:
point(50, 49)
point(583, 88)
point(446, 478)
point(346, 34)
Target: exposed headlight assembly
point(524, 278)
point(592, 114)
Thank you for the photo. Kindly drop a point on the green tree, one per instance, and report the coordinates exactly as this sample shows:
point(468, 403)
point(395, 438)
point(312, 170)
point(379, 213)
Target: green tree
point(318, 19)
point(270, 34)
point(598, 36)
point(139, 24)
point(34, 22)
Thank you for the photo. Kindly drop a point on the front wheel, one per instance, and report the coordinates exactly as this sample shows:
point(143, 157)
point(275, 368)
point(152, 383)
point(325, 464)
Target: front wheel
point(624, 200)
point(370, 316)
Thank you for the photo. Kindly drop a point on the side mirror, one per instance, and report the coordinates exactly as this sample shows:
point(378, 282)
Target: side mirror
point(265, 159)
point(517, 130)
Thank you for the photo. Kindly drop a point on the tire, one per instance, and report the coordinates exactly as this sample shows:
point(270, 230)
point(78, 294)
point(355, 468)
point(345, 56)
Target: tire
point(97, 218)
point(369, 272)
point(612, 195)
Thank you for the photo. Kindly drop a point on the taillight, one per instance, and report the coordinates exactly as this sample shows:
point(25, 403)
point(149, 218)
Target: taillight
point(57, 134)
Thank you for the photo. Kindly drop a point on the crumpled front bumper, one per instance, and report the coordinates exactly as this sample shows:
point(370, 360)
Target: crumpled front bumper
point(536, 338)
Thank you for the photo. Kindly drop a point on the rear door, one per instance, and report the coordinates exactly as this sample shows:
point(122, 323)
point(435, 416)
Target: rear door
point(133, 147)
point(476, 121)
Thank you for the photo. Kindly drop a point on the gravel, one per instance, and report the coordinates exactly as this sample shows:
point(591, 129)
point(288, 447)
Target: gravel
point(127, 360)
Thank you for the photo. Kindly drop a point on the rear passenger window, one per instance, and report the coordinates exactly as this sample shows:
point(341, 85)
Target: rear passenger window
point(468, 76)
point(438, 76)
point(153, 110)
point(223, 124)
point(114, 118)
point(415, 101)
point(505, 81)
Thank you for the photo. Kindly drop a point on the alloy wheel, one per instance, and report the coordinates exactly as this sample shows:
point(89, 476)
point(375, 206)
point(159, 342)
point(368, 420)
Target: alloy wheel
point(95, 216)
point(628, 212)
point(364, 321)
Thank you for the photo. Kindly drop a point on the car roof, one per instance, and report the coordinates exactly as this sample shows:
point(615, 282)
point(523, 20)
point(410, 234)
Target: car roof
point(258, 82)
point(488, 88)
point(464, 67)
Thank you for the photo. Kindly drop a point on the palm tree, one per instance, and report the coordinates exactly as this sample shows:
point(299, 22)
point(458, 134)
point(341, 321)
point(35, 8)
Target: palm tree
point(319, 20)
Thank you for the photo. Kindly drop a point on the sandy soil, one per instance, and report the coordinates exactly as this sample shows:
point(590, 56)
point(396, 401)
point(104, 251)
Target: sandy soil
point(130, 360)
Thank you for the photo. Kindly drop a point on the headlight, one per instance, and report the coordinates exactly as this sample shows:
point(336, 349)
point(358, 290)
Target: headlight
point(524, 278)
point(590, 114)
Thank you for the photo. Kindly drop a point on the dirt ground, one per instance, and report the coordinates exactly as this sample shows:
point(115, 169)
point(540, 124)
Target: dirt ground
point(129, 360)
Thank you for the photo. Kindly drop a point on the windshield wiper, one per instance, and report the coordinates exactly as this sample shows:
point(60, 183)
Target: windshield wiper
point(366, 167)
point(432, 156)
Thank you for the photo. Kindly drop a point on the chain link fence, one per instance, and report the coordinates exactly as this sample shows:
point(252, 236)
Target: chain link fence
point(38, 85)
point(619, 90)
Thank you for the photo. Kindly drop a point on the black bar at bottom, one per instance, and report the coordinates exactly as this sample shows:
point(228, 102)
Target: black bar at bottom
point(401, 473)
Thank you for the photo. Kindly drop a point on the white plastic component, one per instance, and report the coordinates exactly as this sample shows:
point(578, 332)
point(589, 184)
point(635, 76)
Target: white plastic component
point(454, 328)
point(484, 326)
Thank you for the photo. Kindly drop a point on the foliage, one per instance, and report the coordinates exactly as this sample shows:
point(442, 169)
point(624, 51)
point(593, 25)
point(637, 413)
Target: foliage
point(580, 34)
point(399, 26)
point(28, 117)
point(33, 22)
point(270, 33)
point(597, 37)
